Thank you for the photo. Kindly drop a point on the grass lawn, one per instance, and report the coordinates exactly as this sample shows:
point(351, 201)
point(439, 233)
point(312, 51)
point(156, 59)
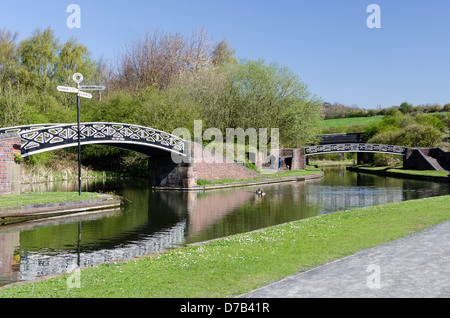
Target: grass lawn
point(240, 263)
point(47, 197)
point(288, 173)
point(345, 122)
point(398, 169)
point(206, 182)
point(331, 163)
point(292, 173)
point(432, 173)
point(364, 121)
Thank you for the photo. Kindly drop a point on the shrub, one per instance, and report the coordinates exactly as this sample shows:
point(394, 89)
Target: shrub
point(420, 136)
point(429, 120)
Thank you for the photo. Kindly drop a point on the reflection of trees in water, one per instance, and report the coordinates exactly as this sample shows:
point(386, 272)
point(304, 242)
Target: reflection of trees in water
point(154, 220)
point(237, 211)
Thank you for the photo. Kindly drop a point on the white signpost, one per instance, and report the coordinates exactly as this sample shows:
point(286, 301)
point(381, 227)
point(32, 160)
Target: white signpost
point(92, 87)
point(78, 78)
point(67, 89)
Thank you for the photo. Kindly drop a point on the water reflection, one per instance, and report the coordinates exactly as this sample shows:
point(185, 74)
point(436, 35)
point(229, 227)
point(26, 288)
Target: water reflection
point(153, 221)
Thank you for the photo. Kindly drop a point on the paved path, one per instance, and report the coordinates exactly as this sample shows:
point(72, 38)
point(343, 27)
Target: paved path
point(414, 266)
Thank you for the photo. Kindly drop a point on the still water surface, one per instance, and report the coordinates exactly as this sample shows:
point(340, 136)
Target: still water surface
point(155, 221)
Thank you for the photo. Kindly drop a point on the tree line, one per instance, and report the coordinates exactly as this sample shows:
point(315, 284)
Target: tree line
point(337, 110)
point(160, 80)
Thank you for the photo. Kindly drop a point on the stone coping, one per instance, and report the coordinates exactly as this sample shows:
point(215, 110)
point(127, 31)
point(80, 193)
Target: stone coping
point(33, 211)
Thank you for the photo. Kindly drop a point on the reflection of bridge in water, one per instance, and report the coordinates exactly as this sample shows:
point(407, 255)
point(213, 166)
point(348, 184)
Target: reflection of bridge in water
point(339, 198)
point(191, 213)
point(169, 219)
point(38, 264)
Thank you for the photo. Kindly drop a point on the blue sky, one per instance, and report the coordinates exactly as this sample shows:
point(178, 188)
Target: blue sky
point(326, 42)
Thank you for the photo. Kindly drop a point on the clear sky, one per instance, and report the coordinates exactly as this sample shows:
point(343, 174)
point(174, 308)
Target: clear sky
point(326, 42)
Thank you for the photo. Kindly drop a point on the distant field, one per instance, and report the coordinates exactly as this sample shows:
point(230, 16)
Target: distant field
point(344, 122)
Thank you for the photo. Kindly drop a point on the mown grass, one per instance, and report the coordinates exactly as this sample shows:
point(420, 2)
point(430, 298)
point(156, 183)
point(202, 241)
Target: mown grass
point(430, 173)
point(223, 181)
point(331, 162)
point(292, 173)
point(399, 169)
point(288, 173)
point(237, 264)
point(43, 198)
point(345, 122)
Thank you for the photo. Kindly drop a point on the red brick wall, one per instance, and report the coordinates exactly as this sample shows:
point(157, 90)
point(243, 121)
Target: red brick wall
point(9, 146)
point(207, 169)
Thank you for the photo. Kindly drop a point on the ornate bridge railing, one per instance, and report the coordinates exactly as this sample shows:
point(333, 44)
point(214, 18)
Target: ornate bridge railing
point(46, 137)
point(360, 147)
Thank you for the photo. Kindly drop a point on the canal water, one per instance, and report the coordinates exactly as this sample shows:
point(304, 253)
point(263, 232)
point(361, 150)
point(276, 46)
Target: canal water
point(155, 221)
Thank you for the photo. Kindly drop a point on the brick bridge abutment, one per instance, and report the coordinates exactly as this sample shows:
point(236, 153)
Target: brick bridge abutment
point(9, 169)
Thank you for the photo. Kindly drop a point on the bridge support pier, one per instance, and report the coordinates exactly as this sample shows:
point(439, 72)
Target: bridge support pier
point(9, 169)
point(163, 172)
point(359, 158)
point(299, 160)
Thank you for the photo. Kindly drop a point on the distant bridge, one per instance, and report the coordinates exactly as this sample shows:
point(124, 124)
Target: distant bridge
point(338, 148)
point(145, 140)
point(350, 142)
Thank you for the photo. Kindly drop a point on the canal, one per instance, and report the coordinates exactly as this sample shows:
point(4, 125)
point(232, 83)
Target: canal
point(155, 221)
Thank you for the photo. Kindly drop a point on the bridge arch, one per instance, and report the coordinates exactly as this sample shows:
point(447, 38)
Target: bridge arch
point(148, 141)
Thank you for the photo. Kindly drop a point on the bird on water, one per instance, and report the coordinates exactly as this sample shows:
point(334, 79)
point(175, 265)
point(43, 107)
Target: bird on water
point(260, 193)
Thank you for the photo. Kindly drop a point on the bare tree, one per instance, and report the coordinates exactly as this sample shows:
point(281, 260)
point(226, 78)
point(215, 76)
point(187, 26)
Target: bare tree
point(156, 58)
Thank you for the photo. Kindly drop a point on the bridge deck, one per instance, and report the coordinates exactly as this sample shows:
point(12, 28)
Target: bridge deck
point(46, 137)
point(345, 138)
point(355, 147)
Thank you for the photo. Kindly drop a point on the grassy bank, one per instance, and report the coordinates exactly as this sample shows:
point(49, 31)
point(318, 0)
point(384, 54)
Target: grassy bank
point(278, 174)
point(43, 198)
point(240, 263)
point(321, 163)
point(224, 181)
point(399, 170)
point(292, 173)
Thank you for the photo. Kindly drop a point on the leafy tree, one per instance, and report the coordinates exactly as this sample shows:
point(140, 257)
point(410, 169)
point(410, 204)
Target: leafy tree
point(167, 110)
point(388, 123)
point(406, 108)
point(8, 55)
point(271, 96)
point(446, 122)
point(419, 136)
point(446, 107)
point(13, 105)
point(38, 56)
point(72, 58)
point(223, 54)
point(430, 120)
